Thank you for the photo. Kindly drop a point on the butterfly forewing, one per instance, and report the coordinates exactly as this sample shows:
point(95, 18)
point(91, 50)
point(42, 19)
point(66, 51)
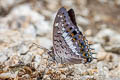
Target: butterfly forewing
point(59, 45)
point(69, 44)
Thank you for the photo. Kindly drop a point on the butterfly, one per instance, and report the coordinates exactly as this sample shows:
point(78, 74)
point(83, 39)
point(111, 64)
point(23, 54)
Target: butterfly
point(69, 44)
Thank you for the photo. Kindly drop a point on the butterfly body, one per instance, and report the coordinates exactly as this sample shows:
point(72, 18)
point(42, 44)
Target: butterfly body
point(69, 44)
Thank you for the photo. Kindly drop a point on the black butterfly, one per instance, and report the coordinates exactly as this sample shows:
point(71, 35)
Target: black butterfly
point(69, 44)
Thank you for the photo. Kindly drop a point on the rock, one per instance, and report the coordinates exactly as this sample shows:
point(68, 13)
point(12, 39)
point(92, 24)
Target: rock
point(97, 18)
point(83, 21)
point(3, 58)
point(68, 3)
point(100, 53)
point(102, 71)
point(109, 39)
point(84, 12)
point(115, 48)
point(8, 74)
point(107, 36)
point(52, 5)
point(26, 33)
point(42, 27)
point(27, 58)
point(117, 2)
point(45, 42)
point(103, 1)
point(97, 47)
point(30, 31)
point(32, 19)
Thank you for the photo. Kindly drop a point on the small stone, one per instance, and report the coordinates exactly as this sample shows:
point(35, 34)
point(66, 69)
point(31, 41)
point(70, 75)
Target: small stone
point(3, 58)
point(83, 20)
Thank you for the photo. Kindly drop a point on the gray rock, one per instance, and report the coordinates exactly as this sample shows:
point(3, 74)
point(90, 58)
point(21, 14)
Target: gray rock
point(83, 21)
point(102, 71)
point(107, 35)
point(37, 20)
point(3, 58)
point(115, 48)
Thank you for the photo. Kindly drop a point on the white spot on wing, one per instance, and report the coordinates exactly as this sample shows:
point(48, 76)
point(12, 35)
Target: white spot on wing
point(62, 20)
point(63, 29)
point(70, 43)
point(59, 32)
point(56, 24)
point(64, 34)
point(77, 53)
point(72, 47)
point(67, 38)
point(61, 16)
point(58, 15)
point(62, 24)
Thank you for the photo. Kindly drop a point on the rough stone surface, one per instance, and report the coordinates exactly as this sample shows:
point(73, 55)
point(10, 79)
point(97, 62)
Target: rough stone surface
point(26, 34)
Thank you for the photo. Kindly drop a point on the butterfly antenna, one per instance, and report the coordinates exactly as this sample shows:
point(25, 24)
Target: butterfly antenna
point(92, 49)
point(93, 53)
point(95, 58)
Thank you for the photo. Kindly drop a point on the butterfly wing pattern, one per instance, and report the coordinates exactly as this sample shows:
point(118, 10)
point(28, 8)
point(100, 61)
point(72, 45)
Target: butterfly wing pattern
point(69, 44)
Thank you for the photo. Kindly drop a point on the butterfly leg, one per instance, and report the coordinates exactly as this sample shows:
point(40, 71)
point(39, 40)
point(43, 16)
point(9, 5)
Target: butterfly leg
point(51, 54)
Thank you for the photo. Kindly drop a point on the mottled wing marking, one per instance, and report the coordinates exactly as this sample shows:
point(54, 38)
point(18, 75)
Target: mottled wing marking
point(69, 44)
